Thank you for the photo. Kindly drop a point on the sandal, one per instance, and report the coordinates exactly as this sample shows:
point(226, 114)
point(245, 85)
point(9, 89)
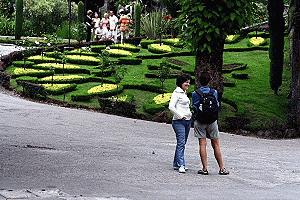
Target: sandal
point(223, 171)
point(203, 172)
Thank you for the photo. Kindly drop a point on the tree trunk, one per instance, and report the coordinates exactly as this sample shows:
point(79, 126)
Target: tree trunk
point(213, 63)
point(294, 104)
point(276, 24)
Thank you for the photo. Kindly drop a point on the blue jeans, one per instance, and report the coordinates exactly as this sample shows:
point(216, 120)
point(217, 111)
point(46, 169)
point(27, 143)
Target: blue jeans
point(182, 129)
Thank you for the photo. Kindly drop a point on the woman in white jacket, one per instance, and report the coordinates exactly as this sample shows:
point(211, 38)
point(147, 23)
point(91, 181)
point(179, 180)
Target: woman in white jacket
point(180, 107)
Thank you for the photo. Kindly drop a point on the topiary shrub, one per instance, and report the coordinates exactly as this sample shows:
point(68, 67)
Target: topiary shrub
point(157, 48)
point(257, 41)
point(81, 13)
point(137, 19)
point(19, 19)
point(230, 39)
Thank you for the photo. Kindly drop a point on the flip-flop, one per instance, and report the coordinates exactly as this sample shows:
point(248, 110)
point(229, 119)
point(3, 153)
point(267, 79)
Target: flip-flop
point(203, 172)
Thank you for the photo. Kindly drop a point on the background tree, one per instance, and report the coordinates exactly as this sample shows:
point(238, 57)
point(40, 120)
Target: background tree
point(294, 30)
point(276, 28)
point(19, 19)
point(205, 25)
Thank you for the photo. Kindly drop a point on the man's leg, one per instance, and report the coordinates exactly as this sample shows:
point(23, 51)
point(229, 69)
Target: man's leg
point(203, 153)
point(215, 143)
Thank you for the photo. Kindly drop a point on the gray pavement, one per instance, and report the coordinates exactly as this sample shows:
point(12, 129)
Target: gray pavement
point(102, 156)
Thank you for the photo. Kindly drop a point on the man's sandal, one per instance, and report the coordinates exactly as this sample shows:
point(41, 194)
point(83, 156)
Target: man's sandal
point(203, 172)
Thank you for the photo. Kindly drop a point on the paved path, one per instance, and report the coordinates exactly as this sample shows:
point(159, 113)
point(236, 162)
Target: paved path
point(98, 155)
point(8, 48)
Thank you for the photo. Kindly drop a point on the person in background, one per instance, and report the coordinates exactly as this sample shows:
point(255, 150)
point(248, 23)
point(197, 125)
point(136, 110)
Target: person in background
point(96, 21)
point(89, 25)
point(104, 24)
point(113, 20)
point(124, 25)
point(180, 107)
point(206, 124)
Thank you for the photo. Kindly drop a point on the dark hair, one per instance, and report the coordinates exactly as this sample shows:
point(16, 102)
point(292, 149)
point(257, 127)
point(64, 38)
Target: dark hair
point(204, 78)
point(182, 78)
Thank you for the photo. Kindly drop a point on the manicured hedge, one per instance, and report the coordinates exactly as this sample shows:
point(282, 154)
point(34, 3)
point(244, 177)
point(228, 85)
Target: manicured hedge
point(83, 60)
point(230, 39)
point(57, 89)
point(42, 59)
point(257, 41)
point(153, 108)
point(118, 52)
point(228, 68)
point(258, 34)
point(145, 87)
point(26, 79)
point(86, 96)
point(64, 79)
point(16, 72)
point(97, 48)
point(157, 48)
point(130, 61)
point(60, 68)
point(20, 63)
point(145, 43)
point(128, 47)
point(81, 52)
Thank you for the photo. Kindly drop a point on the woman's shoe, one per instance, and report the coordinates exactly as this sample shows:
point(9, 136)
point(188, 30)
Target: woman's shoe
point(181, 169)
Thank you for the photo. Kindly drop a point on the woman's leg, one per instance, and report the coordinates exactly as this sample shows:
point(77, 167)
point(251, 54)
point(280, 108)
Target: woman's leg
point(179, 128)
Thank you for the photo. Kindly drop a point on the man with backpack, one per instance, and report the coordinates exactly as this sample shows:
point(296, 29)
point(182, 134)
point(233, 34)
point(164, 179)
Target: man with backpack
point(206, 108)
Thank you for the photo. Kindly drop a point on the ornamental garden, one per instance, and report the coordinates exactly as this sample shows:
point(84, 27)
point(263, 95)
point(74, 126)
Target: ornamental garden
point(137, 81)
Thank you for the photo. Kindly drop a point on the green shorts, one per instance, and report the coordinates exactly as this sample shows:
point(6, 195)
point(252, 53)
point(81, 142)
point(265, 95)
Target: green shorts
point(210, 131)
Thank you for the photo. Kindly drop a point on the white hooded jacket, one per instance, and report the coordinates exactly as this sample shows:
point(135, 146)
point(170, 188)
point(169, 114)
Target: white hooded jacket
point(180, 105)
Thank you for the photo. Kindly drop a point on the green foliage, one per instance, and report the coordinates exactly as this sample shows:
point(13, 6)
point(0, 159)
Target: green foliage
point(19, 19)
point(137, 19)
point(81, 13)
point(80, 32)
point(6, 8)
point(44, 16)
point(151, 24)
point(203, 22)
point(7, 26)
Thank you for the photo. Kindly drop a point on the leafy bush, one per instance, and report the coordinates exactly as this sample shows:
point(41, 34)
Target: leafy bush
point(7, 26)
point(44, 16)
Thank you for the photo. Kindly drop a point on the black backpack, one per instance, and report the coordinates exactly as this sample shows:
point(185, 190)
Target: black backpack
point(208, 109)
